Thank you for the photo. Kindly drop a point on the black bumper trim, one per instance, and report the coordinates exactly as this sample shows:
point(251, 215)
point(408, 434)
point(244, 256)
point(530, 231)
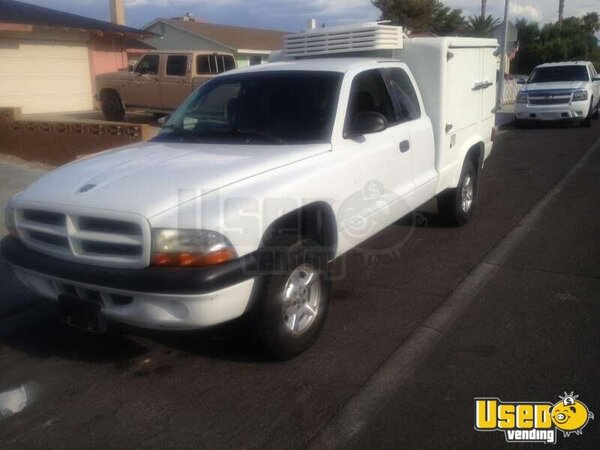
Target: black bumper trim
point(171, 280)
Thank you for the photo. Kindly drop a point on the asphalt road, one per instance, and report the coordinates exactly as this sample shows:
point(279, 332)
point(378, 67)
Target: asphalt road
point(529, 334)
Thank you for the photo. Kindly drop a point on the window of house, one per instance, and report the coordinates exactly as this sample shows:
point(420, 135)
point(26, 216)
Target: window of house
point(176, 65)
point(369, 94)
point(148, 65)
point(255, 60)
point(403, 94)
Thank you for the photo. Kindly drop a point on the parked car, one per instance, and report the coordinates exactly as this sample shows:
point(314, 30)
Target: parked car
point(159, 82)
point(567, 91)
point(255, 184)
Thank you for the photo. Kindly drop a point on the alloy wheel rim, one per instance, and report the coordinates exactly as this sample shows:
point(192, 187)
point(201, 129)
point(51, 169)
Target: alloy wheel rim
point(301, 299)
point(467, 194)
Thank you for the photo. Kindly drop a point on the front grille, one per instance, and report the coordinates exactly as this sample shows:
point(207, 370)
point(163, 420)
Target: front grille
point(549, 101)
point(550, 97)
point(96, 240)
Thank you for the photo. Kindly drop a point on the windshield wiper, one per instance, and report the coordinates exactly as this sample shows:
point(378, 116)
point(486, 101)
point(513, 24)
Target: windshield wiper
point(261, 133)
point(176, 132)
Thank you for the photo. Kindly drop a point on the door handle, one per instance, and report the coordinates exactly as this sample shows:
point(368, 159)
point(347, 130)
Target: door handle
point(404, 146)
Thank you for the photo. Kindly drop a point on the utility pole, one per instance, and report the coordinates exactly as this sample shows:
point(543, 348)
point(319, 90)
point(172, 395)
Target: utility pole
point(503, 46)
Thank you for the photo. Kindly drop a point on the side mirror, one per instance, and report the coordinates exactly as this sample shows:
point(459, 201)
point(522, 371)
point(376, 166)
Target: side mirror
point(367, 123)
point(130, 68)
point(521, 81)
point(596, 78)
point(163, 119)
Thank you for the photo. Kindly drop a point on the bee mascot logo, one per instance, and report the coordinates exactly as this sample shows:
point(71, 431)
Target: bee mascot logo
point(532, 421)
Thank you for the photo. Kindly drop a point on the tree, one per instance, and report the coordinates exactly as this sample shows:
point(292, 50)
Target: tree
point(421, 15)
point(480, 26)
point(574, 39)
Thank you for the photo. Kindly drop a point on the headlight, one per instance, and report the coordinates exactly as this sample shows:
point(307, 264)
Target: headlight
point(580, 95)
point(522, 97)
point(172, 247)
point(9, 220)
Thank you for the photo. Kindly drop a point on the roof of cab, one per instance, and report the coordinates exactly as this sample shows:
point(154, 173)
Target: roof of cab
point(314, 64)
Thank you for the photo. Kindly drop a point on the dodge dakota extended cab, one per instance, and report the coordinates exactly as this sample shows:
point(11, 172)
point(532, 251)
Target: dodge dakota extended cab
point(256, 183)
point(159, 82)
point(568, 91)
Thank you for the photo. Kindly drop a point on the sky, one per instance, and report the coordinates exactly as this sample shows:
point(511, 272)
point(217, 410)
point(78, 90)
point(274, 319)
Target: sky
point(291, 15)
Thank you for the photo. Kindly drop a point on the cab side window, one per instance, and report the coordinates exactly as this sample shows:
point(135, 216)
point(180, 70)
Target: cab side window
point(214, 64)
point(404, 96)
point(176, 65)
point(369, 94)
point(148, 65)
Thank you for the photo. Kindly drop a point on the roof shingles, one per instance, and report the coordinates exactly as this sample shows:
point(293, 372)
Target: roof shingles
point(12, 11)
point(237, 38)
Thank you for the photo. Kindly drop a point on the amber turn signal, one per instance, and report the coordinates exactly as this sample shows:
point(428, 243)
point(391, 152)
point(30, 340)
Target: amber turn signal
point(194, 259)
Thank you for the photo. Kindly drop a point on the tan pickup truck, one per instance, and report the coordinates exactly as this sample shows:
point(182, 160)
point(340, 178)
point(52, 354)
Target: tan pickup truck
point(159, 82)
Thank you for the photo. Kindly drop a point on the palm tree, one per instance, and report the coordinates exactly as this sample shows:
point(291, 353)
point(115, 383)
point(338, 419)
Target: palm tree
point(561, 10)
point(483, 6)
point(481, 26)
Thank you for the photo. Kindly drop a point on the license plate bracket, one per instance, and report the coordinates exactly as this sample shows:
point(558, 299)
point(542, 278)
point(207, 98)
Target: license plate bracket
point(82, 314)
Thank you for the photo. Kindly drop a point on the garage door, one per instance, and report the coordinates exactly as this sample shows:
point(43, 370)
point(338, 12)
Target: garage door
point(45, 77)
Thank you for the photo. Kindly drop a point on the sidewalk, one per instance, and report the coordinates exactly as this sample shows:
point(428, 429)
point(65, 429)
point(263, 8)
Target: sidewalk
point(530, 334)
point(505, 116)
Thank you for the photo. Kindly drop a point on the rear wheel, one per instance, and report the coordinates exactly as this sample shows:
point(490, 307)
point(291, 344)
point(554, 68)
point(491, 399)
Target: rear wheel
point(112, 106)
point(456, 205)
point(294, 296)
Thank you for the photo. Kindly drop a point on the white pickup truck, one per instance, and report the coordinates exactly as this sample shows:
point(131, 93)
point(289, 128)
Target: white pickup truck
point(256, 183)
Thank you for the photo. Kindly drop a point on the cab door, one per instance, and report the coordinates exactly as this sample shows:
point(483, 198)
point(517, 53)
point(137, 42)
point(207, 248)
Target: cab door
point(410, 117)
point(379, 163)
point(175, 80)
point(142, 89)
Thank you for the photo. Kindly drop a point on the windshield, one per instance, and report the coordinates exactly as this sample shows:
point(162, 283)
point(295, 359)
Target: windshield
point(559, 73)
point(278, 107)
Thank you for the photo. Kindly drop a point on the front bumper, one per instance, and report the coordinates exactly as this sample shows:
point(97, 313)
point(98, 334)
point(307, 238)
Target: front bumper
point(157, 298)
point(567, 111)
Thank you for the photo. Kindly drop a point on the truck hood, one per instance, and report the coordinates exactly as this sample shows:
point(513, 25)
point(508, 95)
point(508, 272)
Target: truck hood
point(150, 178)
point(557, 86)
point(119, 75)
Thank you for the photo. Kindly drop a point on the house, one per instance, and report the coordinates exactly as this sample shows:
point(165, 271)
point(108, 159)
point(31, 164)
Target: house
point(248, 45)
point(49, 58)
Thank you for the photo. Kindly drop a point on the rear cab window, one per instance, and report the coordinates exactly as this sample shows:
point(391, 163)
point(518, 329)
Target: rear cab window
point(403, 94)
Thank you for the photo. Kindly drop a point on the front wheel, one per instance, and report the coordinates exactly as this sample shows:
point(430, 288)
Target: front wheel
point(456, 205)
point(587, 122)
point(294, 297)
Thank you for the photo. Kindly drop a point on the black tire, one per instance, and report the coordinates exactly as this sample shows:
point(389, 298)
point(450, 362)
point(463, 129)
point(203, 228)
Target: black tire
point(450, 202)
point(587, 122)
point(281, 258)
point(596, 114)
point(520, 124)
point(112, 106)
